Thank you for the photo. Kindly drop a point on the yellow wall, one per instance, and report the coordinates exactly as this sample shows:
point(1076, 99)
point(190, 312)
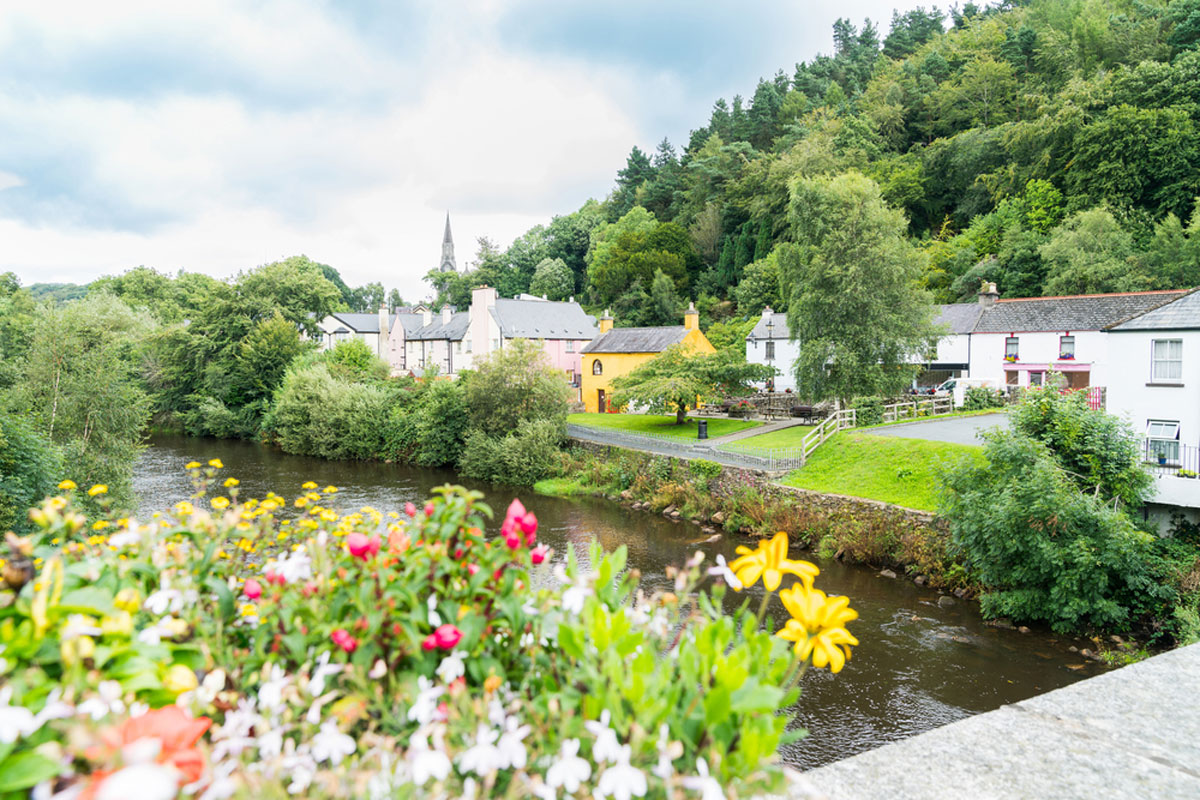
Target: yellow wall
point(617, 364)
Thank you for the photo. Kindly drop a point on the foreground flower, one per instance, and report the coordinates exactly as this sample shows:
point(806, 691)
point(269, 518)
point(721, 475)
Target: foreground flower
point(99, 488)
point(446, 637)
point(538, 554)
point(68, 485)
point(342, 638)
point(452, 667)
point(622, 780)
point(425, 762)
point(705, 784)
point(569, 771)
point(15, 721)
point(484, 757)
point(818, 625)
point(146, 781)
point(176, 732)
point(770, 562)
point(331, 745)
point(606, 748)
point(722, 570)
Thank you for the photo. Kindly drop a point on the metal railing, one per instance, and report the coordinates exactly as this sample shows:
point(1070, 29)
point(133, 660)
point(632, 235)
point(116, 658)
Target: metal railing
point(771, 460)
point(1164, 458)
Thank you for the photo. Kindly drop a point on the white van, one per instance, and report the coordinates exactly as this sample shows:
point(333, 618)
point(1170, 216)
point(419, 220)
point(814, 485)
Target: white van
point(957, 387)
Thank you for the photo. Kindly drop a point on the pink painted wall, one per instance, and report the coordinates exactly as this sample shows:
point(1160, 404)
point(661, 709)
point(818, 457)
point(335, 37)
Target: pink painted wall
point(556, 351)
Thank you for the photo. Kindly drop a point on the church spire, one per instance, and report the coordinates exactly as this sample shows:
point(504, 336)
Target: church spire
point(448, 263)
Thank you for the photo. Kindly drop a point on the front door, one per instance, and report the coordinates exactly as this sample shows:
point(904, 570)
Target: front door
point(1077, 380)
point(600, 404)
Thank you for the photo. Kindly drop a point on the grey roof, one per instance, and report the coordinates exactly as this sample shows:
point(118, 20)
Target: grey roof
point(542, 319)
point(1077, 313)
point(453, 330)
point(1178, 315)
point(359, 323)
point(409, 321)
point(779, 327)
point(637, 340)
point(958, 317)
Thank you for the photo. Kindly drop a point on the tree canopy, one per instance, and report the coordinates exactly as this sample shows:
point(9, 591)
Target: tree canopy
point(676, 380)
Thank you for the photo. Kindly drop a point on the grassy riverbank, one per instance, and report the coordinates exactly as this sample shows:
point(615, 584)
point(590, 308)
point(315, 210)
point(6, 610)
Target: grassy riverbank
point(885, 468)
point(659, 425)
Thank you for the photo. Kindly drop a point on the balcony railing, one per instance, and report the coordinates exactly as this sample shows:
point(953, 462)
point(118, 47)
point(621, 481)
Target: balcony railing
point(1171, 458)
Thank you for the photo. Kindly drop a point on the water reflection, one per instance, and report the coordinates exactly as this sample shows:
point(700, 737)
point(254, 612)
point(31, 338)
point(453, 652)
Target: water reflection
point(919, 665)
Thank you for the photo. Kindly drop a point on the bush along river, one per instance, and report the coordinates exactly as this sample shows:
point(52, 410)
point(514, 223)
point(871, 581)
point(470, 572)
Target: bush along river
point(919, 665)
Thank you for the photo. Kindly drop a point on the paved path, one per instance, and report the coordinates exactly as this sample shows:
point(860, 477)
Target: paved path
point(1133, 732)
point(758, 430)
point(957, 430)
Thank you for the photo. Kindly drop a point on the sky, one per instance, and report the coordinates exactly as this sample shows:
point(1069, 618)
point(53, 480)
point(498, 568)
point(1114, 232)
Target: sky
point(219, 135)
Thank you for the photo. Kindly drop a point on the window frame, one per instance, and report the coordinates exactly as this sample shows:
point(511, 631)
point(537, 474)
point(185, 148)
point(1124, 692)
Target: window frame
point(1012, 348)
point(597, 367)
point(770, 351)
point(1162, 441)
point(1155, 361)
point(570, 345)
point(1063, 341)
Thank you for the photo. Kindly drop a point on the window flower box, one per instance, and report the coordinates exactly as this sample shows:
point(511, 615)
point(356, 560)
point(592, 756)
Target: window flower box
point(1011, 359)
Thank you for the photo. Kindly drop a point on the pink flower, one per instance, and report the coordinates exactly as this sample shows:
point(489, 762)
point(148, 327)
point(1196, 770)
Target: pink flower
point(472, 568)
point(515, 509)
point(252, 589)
point(447, 636)
point(528, 523)
point(539, 553)
point(357, 544)
point(513, 540)
point(429, 642)
point(342, 638)
point(410, 509)
point(429, 509)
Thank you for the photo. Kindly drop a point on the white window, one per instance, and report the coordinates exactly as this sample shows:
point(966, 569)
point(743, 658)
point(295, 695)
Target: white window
point(597, 367)
point(770, 351)
point(458, 346)
point(1162, 441)
point(570, 345)
point(1010, 348)
point(468, 345)
point(1066, 347)
point(1168, 360)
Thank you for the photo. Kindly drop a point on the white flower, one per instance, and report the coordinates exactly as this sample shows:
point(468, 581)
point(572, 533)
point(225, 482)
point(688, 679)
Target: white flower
point(496, 714)
point(704, 783)
point(574, 597)
point(424, 708)
point(726, 574)
point(270, 742)
point(331, 745)
point(606, 748)
point(511, 748)
point(109, 700)
point(622, 780)
point(302, 769)
point(435, 619)
point(79, 625)
point(270, 694)
point(54, 708)
point(221, 786)
point(295, 566)
point(426, 763)
point(469, 790)
point(323, 670)
point(143, 781)
point(378, 670)
point(15, 721)
point(484, 758)
point(569, 771)
point(156, 632)
point(385, 781)
point(452, 667)
point(163, 600)
point(668, 751)
point(138, 709)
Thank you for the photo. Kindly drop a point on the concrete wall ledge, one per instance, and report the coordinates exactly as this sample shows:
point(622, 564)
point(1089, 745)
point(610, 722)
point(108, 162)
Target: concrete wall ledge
point(1133, 732)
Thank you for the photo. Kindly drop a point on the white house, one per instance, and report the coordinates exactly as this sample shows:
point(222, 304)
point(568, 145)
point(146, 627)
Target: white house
point(770, 343)
point(1017, 342)
point(1157, 389)
point(370, 328)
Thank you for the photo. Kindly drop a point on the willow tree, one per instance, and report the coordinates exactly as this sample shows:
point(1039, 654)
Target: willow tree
point(863, 323)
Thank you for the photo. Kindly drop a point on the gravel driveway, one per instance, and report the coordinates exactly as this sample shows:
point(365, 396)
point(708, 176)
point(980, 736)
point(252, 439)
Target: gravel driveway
point(958, 430)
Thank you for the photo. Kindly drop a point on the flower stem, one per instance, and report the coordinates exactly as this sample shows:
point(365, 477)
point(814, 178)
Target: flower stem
point(762, 607)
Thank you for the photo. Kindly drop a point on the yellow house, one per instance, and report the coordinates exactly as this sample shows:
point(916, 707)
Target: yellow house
point(619, 351)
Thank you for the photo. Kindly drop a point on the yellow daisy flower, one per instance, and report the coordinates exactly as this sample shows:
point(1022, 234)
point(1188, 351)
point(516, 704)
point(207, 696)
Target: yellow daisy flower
point(769, 561)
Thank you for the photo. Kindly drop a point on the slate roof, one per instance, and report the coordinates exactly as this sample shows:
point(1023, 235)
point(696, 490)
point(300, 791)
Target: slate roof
point(636, 340)
point(453, 330)
point(779, 327)
point(1075, 313)
point(359, 323)
point(1178, 315)
point(409, 321)
point(958, 317)
point(542, 319)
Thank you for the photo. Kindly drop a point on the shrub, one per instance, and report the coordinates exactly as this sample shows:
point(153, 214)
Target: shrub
point(352, 360)
point(441, 424)
point(29, 467)
point(522, 458)
point(316, 414)
point(703, 468)
point(513, 385)
point(979, 398)
point(1042, 549)
point(868, 411)
point(211, 417)
point(742, 409)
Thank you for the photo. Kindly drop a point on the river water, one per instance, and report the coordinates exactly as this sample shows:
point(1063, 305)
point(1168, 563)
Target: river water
point(918, 666)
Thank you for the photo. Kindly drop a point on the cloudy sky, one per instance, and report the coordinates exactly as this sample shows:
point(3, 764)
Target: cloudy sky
point(218, 135)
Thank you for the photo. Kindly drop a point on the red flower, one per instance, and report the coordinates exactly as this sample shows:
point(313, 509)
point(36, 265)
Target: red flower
point(515, 509)
point(539, 553)
point(447, 636)
point(410, 509)
point(358, 545)
point(429, 642)
point(252, 589)
point(342, 638)
point(528, 523)
point(429, 509)
point(472, 569)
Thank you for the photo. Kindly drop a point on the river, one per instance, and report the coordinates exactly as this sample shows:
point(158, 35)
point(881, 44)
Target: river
point(918, 665)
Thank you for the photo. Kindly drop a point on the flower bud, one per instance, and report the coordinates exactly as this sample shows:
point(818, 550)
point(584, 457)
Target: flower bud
point(252, 589)
point(179, 679)
point(128, 599)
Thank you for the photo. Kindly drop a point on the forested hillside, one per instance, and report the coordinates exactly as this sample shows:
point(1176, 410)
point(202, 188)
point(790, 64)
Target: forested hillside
point(1050, 146)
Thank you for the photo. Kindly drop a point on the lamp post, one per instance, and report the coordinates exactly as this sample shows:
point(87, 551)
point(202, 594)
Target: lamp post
point(770, 352)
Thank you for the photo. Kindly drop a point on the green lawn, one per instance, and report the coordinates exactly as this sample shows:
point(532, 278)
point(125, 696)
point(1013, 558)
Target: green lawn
point(790, 438)
point(886, 468)
point(661, 425)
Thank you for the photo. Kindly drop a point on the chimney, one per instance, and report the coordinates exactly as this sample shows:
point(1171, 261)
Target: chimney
point(606, 322)
point(426, 316)
point(691, 318)
point(383, 321)
point(767, 312)
point(446, 312)
point(988, 294)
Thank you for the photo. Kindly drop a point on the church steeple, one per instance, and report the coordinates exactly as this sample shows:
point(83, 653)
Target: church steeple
point(448, 263)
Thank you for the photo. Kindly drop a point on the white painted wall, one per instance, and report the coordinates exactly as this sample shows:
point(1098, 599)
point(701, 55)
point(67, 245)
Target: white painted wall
point(954, 349)
point(786, 353)
point(331, 324)
point(1038, 351)
point(1131, 396)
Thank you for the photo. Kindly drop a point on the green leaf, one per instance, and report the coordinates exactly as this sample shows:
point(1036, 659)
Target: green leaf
point(25, 770)
point(224, 596)
point(88, 600)
point(717, 705)
point(570, 639)
point(755, 697)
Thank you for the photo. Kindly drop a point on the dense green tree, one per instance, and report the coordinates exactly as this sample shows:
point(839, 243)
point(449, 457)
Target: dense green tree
point(514, 385)
point(1090, 254)
point(637, 171)
point(760, 287)
point(855, 306)
point(552, 279)
point(30, 467)
point(665, 305)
